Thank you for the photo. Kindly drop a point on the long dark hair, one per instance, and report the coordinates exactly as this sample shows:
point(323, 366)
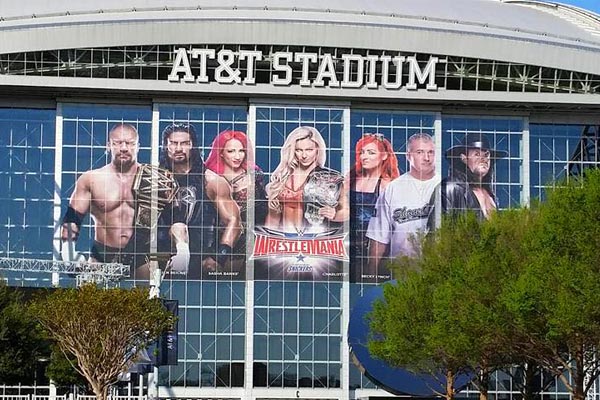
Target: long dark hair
point(459, 171)
point(195, 158)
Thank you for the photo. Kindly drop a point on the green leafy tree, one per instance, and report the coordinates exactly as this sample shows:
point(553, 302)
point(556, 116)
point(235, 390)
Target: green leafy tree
point(21, 342)
point(554, 301)
point(61, 369)
point(448, 317)
point(410, 327)
point(102, 328)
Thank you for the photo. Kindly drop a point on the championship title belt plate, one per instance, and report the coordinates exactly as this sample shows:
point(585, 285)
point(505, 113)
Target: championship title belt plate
point(323, 188)
point(153, 188)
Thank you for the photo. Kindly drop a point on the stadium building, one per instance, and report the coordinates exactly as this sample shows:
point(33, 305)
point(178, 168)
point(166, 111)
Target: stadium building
point(265, 301)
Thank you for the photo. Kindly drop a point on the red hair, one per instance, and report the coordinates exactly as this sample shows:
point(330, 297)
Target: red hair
point(389, 169)
point(214, 162)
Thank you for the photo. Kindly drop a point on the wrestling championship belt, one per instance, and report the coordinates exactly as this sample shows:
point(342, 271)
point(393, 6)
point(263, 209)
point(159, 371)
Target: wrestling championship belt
point(323, 188)
point(149, 181)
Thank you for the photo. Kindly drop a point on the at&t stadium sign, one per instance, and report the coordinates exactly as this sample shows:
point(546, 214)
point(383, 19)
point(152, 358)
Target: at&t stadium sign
point(348, 71)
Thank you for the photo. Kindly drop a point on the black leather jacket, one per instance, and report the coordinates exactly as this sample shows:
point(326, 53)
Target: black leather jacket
point(458, 197)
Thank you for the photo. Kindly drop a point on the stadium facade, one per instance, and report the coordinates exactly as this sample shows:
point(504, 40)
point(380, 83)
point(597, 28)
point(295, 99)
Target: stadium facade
point(522, 75)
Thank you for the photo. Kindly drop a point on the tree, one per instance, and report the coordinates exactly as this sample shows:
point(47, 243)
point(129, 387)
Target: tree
point(61, 369)
point(21, 342)
point(554, 301)
point(448, 316)
point(411, 327)
point(102, 328)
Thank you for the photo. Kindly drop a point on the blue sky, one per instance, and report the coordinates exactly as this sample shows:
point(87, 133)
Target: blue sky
point(593, 5)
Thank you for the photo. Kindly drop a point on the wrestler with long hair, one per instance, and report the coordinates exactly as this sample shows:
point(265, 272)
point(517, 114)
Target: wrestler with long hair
point(375, 167)
point(302, 155)
point(232, 158)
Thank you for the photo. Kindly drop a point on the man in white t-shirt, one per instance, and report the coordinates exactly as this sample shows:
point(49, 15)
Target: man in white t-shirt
point(403, 209)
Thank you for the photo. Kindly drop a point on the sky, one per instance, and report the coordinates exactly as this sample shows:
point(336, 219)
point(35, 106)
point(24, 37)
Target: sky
point(593, 5)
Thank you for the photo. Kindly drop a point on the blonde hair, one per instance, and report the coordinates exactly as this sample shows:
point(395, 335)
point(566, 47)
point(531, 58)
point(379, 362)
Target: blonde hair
point(289, 163)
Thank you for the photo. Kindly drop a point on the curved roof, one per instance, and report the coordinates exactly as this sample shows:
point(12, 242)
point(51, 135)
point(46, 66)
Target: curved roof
point(551, 19)
point(525, 31)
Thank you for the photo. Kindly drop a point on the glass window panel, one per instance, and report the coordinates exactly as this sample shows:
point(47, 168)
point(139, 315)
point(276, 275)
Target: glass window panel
point(192, 346)
point(224, 292)
point(291, 294)
point(321, 294)
point(208, 320)
point(320, 348)
point(260, 320)
point(320, 375)
point(207, 374)
point(207, 347)
point(275, 347)
point(238, 345)
point(261, 293)
point(193, 320)
point(335, 321)
point(290, 318)
point(209, 293)
point(260, 347)
point(275, 374)
point(305, 347)
point(223, 347)
point(237, 374)
point(223, 320)
point(238, 321)
point(306, 320)
point(290, 347)
point(321, 320)
point(305, 375)
point(334, 348)
point(192, 373)
point(305, 293)
point(275, 320)
point(290, 377)
point(259, 374)
point(276, 294)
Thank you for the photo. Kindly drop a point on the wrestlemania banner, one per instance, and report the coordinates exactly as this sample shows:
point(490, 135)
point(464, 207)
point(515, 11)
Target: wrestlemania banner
point(301, 233)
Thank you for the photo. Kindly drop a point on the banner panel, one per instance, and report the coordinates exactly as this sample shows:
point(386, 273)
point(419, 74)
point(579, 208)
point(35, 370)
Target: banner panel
point(482, 164)
point(209, 155)
point(302, 236)
point(392, 187)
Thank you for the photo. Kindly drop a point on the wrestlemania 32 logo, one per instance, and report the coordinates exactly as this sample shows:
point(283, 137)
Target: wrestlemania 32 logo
point(303, 256)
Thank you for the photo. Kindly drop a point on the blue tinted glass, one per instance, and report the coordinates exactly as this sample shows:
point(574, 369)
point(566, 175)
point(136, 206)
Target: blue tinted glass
point(275, 347)
point(305, 317)
point(292, 114)
point(306, 293)
point(223, 347)
point(237, 347)
point(290, 320)
point(291, 294)
point(275, 320)
point(260, 347)
point(321, 295)
point(261, 293)
point(260, 320)
point(208, 293)
point(223, 320)
point(207, 346)
point(193, 292)
point(277, 114)
point(223, 293)
point(305, 348)
point(208, 320)
point(237, 321)
point(290, 347)
point(276, 293)
point(321, 320)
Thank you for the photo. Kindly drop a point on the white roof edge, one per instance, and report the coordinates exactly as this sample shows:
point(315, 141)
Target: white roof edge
point(585, 19)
